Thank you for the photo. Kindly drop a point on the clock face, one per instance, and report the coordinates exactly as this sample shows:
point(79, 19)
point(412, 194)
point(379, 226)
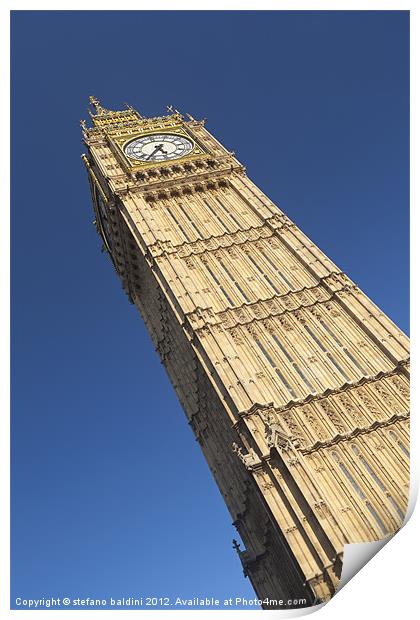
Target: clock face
point(159, 147)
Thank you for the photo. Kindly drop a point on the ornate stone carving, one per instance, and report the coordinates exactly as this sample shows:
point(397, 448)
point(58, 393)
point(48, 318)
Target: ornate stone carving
point(314, 424)
point(351, 410)
point(275, 436)
point(333, 416)
point(368, 402)
point(299, 317)
point(249, 460)
point(315, 313)
point(269, 327)
point(316, 463)
point(291, 423)
point(332, 310)
point(285, 323)
point(322, 509)
point(385, 395)
point(190, 263)
point(236, 335)
point(401, 387)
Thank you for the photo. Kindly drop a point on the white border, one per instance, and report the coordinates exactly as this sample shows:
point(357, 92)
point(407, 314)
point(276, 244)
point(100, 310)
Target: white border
point(388, 584)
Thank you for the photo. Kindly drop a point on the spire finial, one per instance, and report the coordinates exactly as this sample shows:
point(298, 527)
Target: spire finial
point(100, 110)
point(173, 110)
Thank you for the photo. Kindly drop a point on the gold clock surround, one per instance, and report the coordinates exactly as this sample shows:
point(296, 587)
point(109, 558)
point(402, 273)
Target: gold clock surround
point(198, 152)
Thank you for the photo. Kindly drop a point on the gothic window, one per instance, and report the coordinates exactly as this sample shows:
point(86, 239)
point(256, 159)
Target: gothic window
point(340, 344)
point(398, 441)
point(274, 366)
point(232, 217)
point(359, 491)
point(221, 222)
point(230, 300)
point(327, 353)
point(275, 289)
point(178, 225)
point(377, 480)
point(294, 364)
point(275, 267)
point(230, 276)
point(190, 220)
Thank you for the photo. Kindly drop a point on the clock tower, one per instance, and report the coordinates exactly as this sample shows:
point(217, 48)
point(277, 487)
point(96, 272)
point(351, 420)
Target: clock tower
point(294, 383)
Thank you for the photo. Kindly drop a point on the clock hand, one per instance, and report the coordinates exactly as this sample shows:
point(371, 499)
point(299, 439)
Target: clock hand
point(156, 149)
point(159, 147)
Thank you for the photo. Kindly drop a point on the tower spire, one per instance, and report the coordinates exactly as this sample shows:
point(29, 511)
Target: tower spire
point(99, 109)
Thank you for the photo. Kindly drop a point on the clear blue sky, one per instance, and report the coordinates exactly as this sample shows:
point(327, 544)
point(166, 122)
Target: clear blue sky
point(111, 495)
